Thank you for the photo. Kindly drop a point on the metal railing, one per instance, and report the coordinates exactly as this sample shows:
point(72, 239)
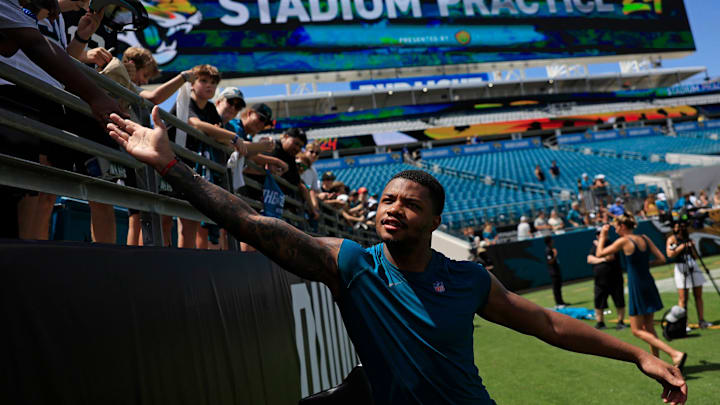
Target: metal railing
point(19, 173)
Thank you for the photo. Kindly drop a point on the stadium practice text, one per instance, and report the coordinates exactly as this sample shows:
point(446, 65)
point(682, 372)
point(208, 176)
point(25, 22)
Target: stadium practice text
point(329, 10)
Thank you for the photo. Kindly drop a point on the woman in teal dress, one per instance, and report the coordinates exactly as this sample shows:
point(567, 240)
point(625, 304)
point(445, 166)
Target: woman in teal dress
point(644, 296)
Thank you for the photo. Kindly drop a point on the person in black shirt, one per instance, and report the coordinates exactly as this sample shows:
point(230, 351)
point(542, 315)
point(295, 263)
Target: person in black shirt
point(608, 281)
point(554, 170)
point(286, 148)
point(102, 37)
point(202, 115)
point(554, 270)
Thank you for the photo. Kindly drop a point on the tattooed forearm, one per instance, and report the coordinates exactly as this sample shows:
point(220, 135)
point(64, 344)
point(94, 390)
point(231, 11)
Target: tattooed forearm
point(294, 250)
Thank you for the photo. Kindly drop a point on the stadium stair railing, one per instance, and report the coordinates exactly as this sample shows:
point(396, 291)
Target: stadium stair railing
point(19, 173)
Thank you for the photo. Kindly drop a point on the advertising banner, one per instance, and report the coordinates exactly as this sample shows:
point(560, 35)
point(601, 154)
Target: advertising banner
point(643, 131)
point(474, 149)
point(686, 126)
point(696, 125)
point(419, 82)
point(357, 161)
point(271, 37)
point(710, 124)
point(604, 135)
point(592, 136)
point(574, 138)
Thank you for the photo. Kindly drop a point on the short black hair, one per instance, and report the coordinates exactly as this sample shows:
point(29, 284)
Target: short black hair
point(437, 192)
point(297, 133)
point(548, 239)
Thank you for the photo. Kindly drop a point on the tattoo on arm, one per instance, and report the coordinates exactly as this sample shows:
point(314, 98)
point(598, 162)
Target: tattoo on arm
point(295, 251)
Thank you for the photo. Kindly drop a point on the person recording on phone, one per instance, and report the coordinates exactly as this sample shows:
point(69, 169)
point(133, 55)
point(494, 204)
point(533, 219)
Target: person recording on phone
point(681, 250)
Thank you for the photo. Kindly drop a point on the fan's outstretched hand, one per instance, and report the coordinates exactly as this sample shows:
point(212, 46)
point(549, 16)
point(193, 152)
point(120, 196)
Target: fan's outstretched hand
point(150, 146)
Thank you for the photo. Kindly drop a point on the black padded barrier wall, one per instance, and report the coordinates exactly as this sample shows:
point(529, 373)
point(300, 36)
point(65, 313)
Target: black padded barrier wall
point(117, 325)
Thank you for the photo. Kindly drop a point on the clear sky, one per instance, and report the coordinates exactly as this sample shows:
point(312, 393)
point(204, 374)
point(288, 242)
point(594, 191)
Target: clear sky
point(704, 18)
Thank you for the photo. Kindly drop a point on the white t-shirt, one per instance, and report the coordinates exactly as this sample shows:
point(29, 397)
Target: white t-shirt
point(236, 164)
point(310, 178)
point(54, 31)
point(523, 231)
point(555, 222)
point(541, 222)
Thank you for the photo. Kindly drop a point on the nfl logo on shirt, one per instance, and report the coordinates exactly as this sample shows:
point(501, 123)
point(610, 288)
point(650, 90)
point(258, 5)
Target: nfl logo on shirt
point(439, 287)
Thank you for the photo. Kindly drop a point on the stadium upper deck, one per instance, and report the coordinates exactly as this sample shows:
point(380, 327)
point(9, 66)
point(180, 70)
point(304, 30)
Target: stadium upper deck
point(319, 103)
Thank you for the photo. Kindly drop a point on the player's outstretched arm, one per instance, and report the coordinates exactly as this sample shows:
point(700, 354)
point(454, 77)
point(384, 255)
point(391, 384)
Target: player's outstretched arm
point(297, 252)
point(511, 310)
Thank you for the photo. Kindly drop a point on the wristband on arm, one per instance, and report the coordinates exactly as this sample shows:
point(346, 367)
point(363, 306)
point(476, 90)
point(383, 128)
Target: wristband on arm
point(82, 41)
point(169, 166)
point(235, 139)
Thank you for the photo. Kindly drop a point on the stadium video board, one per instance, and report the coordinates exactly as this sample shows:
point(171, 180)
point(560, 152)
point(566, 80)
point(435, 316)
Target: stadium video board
point(281, 37)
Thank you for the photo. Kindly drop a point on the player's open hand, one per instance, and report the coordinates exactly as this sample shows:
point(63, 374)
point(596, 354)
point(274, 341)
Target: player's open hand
point(150, 146)
point(675, 390)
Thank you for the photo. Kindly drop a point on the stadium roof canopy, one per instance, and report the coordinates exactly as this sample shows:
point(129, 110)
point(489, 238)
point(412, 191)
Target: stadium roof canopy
point(320, 103)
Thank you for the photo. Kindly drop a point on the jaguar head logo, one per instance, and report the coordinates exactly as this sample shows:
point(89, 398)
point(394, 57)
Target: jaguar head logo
point(456, 150)
point(168, 20)
point(350, 161)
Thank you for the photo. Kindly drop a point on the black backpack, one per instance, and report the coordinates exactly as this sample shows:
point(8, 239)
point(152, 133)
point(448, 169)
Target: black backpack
point(674, 330)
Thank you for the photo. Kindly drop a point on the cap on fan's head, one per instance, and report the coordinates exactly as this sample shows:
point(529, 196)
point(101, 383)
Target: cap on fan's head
point(122, 15)
point(328, 176)
point(264, 112)
point(233, 96)
point(232, 93)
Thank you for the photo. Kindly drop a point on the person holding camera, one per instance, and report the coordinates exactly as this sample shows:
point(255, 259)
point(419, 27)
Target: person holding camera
point(681, 250)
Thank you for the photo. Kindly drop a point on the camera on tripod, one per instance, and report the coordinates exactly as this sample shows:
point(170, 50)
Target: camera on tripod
point(681, 231)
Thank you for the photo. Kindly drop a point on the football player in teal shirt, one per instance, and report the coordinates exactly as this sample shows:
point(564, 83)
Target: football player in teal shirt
point(408, 309)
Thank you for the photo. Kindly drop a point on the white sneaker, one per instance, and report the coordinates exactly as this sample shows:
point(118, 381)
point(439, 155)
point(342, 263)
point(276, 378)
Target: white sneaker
point(705, 324)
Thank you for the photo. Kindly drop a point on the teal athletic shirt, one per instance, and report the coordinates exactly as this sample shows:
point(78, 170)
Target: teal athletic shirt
point(414, 331)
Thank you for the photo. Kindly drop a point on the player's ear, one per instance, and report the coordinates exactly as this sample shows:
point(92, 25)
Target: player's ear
point(436, 221)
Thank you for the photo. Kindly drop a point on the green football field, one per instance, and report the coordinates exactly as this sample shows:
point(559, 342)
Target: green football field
point(518, 369)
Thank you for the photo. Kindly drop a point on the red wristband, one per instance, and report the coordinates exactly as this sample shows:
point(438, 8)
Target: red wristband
point(169, 166)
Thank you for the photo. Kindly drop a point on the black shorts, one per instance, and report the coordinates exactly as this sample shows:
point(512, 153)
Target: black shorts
point(605, 288)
